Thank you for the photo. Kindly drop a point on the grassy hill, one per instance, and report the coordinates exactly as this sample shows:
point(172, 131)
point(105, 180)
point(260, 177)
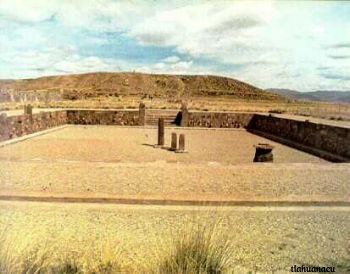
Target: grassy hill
point(116, 84)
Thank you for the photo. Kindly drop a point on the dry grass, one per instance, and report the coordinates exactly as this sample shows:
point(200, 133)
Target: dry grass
point(197, 249)
point(263, 240)
point(194, 248)
point(18, 254)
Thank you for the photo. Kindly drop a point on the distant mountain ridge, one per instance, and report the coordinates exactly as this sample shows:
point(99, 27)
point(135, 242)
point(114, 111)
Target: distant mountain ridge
point(319, 95)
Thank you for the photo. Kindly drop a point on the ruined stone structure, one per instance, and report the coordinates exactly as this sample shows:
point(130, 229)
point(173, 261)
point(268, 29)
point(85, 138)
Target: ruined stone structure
point(160, 132)
point(329, 142)
point(326, 141)
point(28, 110)
point(184, 115)
point(142, 114)
point(219, 119)
point(263, 153)
point(103, 117)
point(181, 144)
point(17, 126)
point(173, 146)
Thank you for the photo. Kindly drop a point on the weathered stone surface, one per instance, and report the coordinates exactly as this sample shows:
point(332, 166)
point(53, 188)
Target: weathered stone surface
point(103, 117)
point(317, 139)
point(327, 138)
point(182, 143)
point(263, 153)
point(161, 132)
point(218, 119)
point(173, 141)
point(16, 126)
point(142, 114)
point(28, 109)
point(184, 115)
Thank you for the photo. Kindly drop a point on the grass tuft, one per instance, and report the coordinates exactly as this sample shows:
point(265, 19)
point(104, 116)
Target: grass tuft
point(198, 249)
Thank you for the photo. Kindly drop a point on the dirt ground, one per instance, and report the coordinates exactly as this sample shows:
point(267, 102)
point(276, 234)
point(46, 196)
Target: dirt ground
point(213, 182)
point(262, 238)
point(109, 161)
point(135, 145)
point(115, 162)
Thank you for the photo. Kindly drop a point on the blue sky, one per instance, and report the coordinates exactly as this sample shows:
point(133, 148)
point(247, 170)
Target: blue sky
point(303, 45)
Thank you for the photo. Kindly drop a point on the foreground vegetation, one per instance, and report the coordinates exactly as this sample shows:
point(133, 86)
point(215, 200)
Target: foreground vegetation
point(196, 249)
point(143, 239)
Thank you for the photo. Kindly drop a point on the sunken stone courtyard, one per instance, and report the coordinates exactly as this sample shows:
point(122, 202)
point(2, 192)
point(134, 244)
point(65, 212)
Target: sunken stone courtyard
point(276, 184)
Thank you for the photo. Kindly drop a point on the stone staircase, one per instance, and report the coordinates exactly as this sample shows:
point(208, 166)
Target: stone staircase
point(169, 116)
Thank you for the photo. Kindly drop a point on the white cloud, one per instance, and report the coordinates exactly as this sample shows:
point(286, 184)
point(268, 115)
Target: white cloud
point(27, 11)
point(54, 61)
point(209, 29)
point(97, 15)
point(267, 43)
point(180, 67)
point(171, 59)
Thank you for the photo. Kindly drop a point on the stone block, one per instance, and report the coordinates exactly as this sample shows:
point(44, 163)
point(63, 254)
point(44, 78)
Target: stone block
point(161, 131)
point(173, 146)
point(263, 153)
point(142, 114)
point(184, 116)
point(182, 147)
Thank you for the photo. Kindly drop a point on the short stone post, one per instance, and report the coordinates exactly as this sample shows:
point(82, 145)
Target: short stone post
point(173, 141)
point(142, 114)
point(184, 117)
point(181, 144)
point(263, 153)
point(161, 132)
point(28, 110)
point(25, 110)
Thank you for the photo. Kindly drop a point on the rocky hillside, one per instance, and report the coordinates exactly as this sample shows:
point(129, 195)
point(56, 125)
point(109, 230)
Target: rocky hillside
point(79, 86)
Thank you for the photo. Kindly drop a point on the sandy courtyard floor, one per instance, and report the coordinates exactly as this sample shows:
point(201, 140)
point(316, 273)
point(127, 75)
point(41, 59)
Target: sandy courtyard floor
point(265, 182)
point(108, 161)
point(117, 144)
point(115, 162)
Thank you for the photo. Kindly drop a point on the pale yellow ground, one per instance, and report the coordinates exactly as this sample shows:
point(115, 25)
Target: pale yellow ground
point(107, 160)
point(121, 144)
point(262, 238)
point(265, 182)
point(115, 162)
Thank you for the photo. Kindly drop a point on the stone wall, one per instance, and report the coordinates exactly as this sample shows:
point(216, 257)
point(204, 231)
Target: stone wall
point(219, 119)
point(103, 117)
point(16, 126)
point(330, 142)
